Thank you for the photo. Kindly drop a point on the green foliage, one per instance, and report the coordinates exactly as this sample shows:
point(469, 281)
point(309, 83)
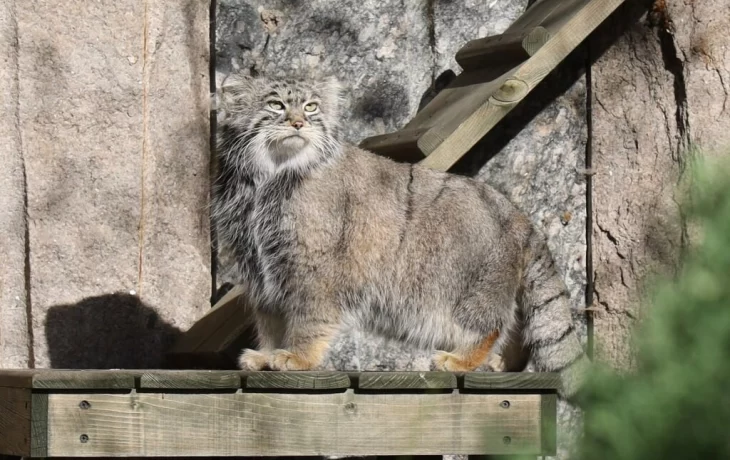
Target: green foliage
point(677, 403)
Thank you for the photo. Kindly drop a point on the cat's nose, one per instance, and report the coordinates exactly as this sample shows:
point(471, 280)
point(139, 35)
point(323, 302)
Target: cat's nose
point(297, 124)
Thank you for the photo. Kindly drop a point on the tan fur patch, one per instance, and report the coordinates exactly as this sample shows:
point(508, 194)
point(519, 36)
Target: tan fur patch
point(468, 361)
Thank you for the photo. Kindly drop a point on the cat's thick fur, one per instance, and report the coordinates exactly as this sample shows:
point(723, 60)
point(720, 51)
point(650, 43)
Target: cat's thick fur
point(322, 235)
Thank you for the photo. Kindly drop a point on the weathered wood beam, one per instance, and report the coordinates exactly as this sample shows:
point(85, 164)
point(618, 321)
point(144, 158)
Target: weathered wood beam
point(514, 47)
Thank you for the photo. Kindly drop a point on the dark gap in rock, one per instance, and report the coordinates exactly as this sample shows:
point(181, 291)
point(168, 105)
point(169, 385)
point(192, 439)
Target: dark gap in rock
point(589, 201)
point(212, 146)
point(675, 66)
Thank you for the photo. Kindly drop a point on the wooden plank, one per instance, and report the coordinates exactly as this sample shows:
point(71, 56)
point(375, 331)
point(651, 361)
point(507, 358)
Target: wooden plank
point(511, 381)
point(406, 380)
point(53, 379)
point(39, 428)
point(15, 417)
point(218, 315)
point(548, 430)
point(527, 76)
point(514, 47)
point(400, 145)
point(189, 380)
point(209, 341)
point(275, 424)
point(297, 380)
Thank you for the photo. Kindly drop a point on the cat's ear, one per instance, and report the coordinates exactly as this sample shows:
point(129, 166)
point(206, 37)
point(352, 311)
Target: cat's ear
point(231, 92)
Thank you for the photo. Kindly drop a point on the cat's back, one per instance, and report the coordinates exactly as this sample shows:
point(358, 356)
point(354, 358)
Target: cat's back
point(378, 205)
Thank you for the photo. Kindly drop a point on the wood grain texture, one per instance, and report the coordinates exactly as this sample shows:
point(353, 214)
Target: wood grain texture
point(514, 47)
point(297, 380)
point(267, 424)
point(511, 381)
point(548, 415)
point(52, 379)
point(189, 380)
point(406, 380)
point(15, 418)
point(39, 425)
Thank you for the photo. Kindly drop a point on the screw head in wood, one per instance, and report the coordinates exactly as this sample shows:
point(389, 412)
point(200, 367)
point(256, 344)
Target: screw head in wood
point(350, 407)
point(506, 440)
point(84, 405)
point(504, 404)
point(84, 438)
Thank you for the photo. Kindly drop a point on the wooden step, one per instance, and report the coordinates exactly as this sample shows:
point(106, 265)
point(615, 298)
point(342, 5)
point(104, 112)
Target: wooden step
point(514, 47)
point(154, 413)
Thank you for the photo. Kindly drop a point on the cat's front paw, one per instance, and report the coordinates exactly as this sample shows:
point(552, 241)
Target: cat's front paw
point(284, 360)
point(252, 360)
point(495, 363)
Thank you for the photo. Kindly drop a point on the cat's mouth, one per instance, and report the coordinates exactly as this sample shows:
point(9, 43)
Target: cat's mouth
point(289, 145)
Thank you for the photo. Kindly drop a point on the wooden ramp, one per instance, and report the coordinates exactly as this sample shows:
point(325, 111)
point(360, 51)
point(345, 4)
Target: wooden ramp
point(56, 413)
point(499, 72)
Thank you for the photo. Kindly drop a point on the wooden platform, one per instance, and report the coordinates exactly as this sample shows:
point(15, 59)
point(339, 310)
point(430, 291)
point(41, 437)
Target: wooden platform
point(59, 413)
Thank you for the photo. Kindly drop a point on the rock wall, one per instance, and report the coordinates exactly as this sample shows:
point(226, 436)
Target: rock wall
point(105, 131)
point(14, 345)
point(661, 86)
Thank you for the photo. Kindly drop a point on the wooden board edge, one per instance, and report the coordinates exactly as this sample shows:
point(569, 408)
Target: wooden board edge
point(406, 380)
point(83, 380)
point(189, 380)
point(15, 417)
point(39, 425)
point(537, 381)
point(273, 380)
point(548, 423)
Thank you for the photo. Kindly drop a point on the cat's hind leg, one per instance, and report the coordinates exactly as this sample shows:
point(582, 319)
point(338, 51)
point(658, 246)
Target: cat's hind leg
point(306, 345)
point(468, 358)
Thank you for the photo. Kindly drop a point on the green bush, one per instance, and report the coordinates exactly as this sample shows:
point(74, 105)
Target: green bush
point(676, 405)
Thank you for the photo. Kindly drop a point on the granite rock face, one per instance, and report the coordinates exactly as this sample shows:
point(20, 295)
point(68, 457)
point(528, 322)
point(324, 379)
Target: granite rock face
point(109, 103)
point(379, 50)
point(14, 349)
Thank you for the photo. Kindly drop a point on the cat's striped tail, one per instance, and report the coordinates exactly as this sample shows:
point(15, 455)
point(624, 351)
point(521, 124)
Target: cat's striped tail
point(549, 332)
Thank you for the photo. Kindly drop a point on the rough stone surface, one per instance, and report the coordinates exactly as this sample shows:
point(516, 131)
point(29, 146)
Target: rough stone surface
point(14, 342)
point(379, 50)
point(114, 128)
point(175, 247)
point(455, 23)
point(660, 89)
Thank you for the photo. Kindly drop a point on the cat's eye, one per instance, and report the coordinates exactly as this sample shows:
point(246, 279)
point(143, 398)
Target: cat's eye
point(276, 105)
point(311, 107)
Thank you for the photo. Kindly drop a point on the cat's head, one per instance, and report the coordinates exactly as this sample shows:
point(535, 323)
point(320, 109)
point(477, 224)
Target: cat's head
point(280, 124)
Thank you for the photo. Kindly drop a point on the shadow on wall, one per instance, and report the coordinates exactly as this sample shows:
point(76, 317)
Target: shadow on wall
point(112, 331)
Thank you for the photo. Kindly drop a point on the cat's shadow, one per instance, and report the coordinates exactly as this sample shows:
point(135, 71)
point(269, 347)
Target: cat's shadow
point(110, 331)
